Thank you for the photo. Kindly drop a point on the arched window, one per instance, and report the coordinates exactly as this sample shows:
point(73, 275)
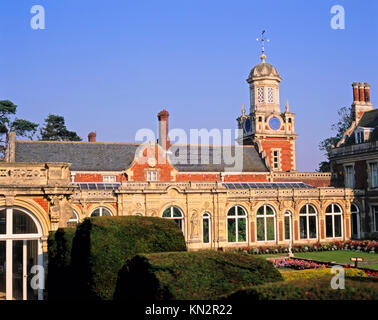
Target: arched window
point(101, 212)
point(20, 250)
point(237, 224)
point(355, 211)
point(206, 228)
point(287, 225)
point(334, 221)
point(175, 214)
point(266, 224)
point(308, 219)
point(74, 220)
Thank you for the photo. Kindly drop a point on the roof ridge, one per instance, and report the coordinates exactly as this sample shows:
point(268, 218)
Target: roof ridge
point(78, 142)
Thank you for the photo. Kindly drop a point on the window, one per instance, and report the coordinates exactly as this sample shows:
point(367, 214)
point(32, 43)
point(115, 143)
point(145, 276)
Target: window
point(175, 214)
point(266, 224)
point(260, 95)
point(270, 95)
point(287, 225)
point(334, 221)
point(349, 176)
point(74, 220)
point(20, 250)
point(101, 212)
point(109, 179)
point(152, 175)
point(360, 137)
point(375, 216)
point(374, 176)
point(236, 225)
point(276, 159)
point(206, 228)
point(308, 221)
point(355, 217)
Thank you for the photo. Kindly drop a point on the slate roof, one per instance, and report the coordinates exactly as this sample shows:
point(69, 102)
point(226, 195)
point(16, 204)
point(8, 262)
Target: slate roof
point(83, 156)
point(99, 156)
point(219, 158)
point(369, 119)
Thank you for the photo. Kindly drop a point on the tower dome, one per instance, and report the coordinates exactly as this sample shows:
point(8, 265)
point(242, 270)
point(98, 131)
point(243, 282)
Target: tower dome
point(264, 71)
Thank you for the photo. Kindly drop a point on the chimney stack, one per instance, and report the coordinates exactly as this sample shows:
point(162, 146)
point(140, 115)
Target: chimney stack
point(163, 139)
point(367, 92)
point(361, 88)
point(361, 100)
point(356, 93)
point(92, 137)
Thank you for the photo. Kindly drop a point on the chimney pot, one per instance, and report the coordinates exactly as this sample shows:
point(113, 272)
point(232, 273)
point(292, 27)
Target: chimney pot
point(92, 136)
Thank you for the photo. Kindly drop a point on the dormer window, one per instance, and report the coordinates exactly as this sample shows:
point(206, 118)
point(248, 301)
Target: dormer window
point(362, 135)
point(152, 175)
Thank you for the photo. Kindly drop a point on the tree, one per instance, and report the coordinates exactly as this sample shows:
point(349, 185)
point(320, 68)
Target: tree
point(55, 130)
point(8, 123)
point(345, 121)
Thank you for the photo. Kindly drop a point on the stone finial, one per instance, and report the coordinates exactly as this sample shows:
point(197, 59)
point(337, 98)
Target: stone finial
point(287, 107)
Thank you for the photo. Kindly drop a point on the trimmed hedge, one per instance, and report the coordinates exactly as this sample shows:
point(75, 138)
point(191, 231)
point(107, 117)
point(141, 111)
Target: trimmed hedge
point(305, 289)
point(102, 245)
point(191, 275)
point(59, 270)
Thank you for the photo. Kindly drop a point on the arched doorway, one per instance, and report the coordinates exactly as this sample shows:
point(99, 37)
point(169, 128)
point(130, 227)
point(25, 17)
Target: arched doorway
point(20, 253)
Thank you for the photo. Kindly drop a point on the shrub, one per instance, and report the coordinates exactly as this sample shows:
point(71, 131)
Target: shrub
point(192, 275)
point(102, 245)
point(59, 256)
point(303, 289)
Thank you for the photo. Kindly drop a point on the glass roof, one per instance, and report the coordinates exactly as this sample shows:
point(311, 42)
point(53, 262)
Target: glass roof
point(267, 185)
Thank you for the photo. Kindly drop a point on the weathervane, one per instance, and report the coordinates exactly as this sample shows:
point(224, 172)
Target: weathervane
point(262, 39)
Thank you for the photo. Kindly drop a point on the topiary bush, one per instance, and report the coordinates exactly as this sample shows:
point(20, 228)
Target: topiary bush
point(59, 277)
point(102, 245)
point(191, 275)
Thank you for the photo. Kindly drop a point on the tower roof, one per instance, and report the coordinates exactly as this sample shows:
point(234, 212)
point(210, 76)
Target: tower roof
point(264, 70)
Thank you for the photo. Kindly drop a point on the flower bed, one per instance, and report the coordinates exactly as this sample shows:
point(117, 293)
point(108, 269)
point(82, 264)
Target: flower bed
point(296, 264)
point(365, 245)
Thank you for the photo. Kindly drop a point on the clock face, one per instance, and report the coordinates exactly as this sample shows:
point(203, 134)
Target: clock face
point(274, 123)
point(247, 125)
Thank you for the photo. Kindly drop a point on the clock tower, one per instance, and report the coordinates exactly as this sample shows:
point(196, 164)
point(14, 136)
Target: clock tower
point(265, 126)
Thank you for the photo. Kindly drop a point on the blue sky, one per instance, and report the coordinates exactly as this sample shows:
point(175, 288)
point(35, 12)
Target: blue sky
point(111, 66)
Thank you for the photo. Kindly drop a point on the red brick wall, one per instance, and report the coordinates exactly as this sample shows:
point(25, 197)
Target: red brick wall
point(322, 234)
point(252, 231)
point(296, 235)
point(360, 174)
point(97, 177)
point(198, 177)
point(43, 203)
point(246, 178)
point(280, 143)
point(164, 168)
point(316, 182)
point(280, 231)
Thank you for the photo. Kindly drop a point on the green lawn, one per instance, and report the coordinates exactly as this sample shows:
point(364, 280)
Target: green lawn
point(340, 256)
